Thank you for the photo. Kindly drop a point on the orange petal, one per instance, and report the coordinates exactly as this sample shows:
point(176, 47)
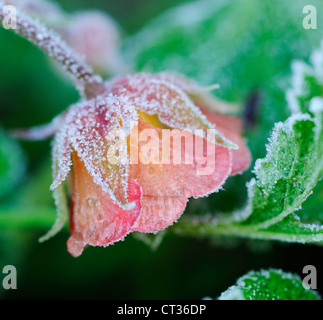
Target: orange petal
point(95, 218)
point(166, 187)
point(231, 127)
point(160, 212)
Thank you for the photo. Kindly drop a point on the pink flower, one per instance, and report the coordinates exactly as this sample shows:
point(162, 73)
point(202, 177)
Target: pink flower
point(109, 198)
point(95, 36)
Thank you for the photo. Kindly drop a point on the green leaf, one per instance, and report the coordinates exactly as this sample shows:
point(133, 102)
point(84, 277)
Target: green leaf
point(288, 174)
point(269, 284)
point(240, 44)
point(312, 210)
point(12, 164)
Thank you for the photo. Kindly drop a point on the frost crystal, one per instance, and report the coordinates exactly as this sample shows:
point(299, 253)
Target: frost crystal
point(86, 131)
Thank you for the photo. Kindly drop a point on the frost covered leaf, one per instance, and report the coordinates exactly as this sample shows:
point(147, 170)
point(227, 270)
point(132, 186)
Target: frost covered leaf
point(12, 164)
point(269, 284)
point(286, 177)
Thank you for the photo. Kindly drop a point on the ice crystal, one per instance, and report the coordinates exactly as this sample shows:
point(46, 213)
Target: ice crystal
point(86, 130)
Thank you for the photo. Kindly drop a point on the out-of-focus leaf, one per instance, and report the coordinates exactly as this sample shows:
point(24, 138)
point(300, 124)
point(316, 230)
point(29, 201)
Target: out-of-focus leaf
point(269, 284)
point(200, 40)
point(12, 164)
point(242, 44)
point(151, 240)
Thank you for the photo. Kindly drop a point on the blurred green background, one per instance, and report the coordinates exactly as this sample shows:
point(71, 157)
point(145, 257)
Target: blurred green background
point(247, 47)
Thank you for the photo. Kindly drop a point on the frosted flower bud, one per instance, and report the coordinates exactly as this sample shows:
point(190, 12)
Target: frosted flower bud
point(96, 36)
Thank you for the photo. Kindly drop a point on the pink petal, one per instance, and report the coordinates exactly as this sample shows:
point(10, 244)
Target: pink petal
point(232, 128)
point(154, 95)
point(95, 218)
point(199, 95)
point(160, 212)
point(89, 127)
point(166, 187)
point(41, 132)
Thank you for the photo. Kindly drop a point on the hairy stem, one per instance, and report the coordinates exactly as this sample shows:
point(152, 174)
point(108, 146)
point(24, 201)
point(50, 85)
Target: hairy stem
point(48, 41)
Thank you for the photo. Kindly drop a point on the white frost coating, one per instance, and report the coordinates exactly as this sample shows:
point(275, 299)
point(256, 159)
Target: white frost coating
point(287, 127)
point(200, 95)
point(313, 227)
point(244, 213)
point(253, 275)
point(232, 293)
point(39, 8)
point(236, 292)
point(149, 94)
point(290, 122)
point(299, 71)
point(62, 213)
point(292, 101)
point(91, 145)
point(269, 147)
point(61, 166)
point(316, 105)
point(85, 128)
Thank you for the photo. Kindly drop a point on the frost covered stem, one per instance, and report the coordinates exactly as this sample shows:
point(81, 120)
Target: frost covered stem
point(57, 49)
